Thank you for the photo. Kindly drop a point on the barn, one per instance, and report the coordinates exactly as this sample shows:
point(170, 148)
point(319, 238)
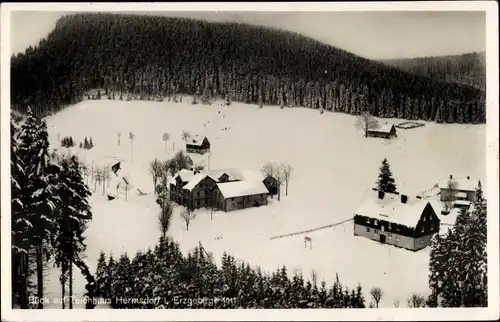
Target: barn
point(397, 220)
point(386, 131)
point(229, 196)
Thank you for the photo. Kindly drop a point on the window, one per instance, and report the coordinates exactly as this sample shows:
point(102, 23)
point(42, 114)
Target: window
point(389, 235)
point(382, 228)
point(423, 229)
point(367, 220)
point(397, 238)
point(423, 219)
point(375, 231)
point(367, 229)
point(421, 242)
point(375, 221)
point(198, 193)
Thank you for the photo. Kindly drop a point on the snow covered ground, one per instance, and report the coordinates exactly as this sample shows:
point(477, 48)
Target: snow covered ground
point(334, 166)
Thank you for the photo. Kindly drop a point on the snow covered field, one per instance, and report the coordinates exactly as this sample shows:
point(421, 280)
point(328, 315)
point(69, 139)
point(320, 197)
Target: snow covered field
point(334, 167)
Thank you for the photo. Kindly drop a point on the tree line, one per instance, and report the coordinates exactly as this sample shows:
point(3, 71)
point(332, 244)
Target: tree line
point(147, 57)
point(469, 69)
point(167, 274)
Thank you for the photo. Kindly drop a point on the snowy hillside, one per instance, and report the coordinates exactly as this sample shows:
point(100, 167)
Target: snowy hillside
point(334, 167)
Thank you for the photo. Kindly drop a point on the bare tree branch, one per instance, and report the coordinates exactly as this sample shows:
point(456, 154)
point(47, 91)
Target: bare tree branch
point(365, 122)
point(188, 214)
point(376, 293)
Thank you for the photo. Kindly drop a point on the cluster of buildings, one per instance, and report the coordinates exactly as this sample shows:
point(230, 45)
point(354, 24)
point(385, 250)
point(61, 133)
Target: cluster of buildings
point(408, 222)
point(225, 189)
point(389, 218)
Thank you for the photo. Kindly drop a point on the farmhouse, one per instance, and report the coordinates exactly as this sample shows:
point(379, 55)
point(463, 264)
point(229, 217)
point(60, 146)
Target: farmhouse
point(460, 191)
point(177, 183)
point(387, 131)
point(397, 220)
point(227, 189)
point(198, 144)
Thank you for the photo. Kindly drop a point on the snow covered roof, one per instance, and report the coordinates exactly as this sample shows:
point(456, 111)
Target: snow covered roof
point(386, 128)
point(196, 140)
point(195, 180)
point(242, 188)
point(234, 174)
point(185, 175)
point(391, 209)
point(464, 184)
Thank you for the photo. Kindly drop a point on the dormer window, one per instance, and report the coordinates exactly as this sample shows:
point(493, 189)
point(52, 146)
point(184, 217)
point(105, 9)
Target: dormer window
point(375, 222)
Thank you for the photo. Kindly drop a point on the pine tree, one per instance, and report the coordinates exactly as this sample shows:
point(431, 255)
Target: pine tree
point(474, 251)
point(440, 112)
point(91, 144)
point(111, 285)
point(40, 195)
point(385, 181)
point(20, 224)
point(86, 143)
point(458, 260)
point(73, 217)
point(102, 277)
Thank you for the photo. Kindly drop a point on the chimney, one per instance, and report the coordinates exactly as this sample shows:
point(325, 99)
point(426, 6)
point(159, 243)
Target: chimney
point(468, 177)
point(451, 176)
point(381, 195)
point(404, 198)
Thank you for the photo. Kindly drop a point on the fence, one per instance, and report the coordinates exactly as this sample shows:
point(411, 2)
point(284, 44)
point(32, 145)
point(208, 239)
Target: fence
point(409, 125)
point(311, 230)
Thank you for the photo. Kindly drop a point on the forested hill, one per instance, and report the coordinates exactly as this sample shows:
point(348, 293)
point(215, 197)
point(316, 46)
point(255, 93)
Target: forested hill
point(149, 57)
point(468, 69)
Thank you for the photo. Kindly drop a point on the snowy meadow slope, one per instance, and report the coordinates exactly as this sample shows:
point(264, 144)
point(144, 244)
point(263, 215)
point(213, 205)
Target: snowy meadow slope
point(334, 167)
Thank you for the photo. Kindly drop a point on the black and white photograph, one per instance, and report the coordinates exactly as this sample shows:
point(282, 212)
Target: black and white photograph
point(328, 161)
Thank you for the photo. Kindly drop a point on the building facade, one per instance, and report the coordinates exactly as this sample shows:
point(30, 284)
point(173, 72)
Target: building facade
point(398, 221)
point(460, 191)
point(226, 190)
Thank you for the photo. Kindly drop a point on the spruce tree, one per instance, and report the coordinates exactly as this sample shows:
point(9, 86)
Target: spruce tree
point(86, 143)
point(458, 260)
point(20, 224)
point(73, 216)
point(40, 193)
point(102, 277)
point(385, 181)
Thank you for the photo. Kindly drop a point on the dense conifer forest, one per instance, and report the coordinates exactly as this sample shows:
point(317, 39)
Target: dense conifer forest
point(147, 57)
point(468, 69)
